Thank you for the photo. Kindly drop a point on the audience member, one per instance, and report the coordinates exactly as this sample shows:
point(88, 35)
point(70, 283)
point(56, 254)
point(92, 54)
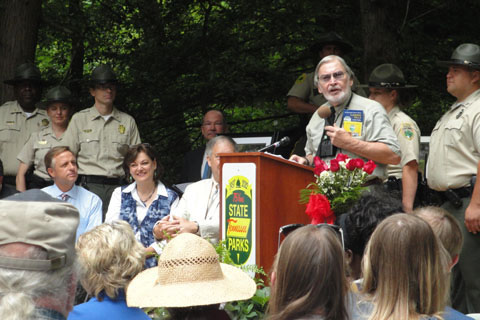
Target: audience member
point(365, 132)
point(62, 167)
point(5, 190)
point(109, 257)
point(190, 281)
point(100, 137)
point(308, 278)
point(20, 118)
point(198, 209)
point(303, 97)
point(195, 165)
point(405, 271)
point(387, 86)
point(37, 256)
point(454, 163)
point(146, 200)
point(59, 110)
point(359, 223)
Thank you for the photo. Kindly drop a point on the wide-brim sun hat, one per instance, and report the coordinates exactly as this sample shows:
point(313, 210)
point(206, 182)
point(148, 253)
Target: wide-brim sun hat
point(26, 72)
point(189, 274)
point(387, 76)
point(466, 54)
point(103, 74)
point(331, 38)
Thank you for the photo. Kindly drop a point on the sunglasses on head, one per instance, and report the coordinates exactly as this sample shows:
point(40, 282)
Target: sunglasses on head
point(289, 228)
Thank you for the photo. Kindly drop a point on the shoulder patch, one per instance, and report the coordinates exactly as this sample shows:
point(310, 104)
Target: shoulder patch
point(301, 79)
point(407, 131)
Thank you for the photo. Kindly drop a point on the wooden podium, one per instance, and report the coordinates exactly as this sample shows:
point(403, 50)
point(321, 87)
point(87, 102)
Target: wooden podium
point(274, 199)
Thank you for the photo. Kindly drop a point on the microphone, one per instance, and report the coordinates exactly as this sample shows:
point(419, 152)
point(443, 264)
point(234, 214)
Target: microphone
point(282, 142)
point(324, 111)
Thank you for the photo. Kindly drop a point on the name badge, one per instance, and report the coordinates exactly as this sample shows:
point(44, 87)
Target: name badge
point(353, 122)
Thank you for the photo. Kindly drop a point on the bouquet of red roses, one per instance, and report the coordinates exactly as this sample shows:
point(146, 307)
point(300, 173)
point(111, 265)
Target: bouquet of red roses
point(337, 187)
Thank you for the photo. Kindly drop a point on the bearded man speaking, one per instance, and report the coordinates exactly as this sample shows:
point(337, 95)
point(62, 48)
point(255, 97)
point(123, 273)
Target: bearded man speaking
point(348, 123)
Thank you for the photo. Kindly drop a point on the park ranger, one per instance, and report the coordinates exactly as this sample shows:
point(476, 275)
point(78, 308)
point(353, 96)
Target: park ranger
point(303, 97)
point(453, 165)
point(20, 118)
point(101, 136)
point(387, 85)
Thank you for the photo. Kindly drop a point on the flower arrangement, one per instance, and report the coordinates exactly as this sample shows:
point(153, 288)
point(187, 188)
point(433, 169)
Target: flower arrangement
point(336, 188)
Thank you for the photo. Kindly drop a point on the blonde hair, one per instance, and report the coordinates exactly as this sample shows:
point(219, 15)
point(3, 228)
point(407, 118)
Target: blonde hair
point(109, 257)
point(310, 276)
point(445, 226)
point(405, 270)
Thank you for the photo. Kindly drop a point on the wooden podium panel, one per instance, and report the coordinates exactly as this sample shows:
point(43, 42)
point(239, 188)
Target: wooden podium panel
point(278, 182)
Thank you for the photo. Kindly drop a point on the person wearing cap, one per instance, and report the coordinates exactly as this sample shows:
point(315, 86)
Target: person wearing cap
point(21, 117)
point(453, 166)
point(355, 126)
point(59, 110)
point(387, 85)
point(195, 166)
point(5, 190)
point(198, 209)
point(62, 167)
point(100, 137)
point(190, 281)
point(37, 256)
point(303, 97)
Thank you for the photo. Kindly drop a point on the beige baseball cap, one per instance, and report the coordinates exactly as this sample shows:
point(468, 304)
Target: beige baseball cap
point(35, 218)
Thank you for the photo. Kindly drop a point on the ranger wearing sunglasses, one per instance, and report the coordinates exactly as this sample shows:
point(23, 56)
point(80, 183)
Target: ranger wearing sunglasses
point(356, 126)
point(100, 136)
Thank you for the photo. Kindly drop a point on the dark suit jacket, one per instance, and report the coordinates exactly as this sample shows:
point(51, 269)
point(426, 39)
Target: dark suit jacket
point(192, 164)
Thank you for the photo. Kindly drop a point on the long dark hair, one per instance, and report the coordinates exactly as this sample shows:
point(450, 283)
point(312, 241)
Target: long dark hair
point(310, 276)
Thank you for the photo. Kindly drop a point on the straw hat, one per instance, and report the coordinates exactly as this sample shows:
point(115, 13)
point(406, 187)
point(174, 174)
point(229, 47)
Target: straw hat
point(189, 274)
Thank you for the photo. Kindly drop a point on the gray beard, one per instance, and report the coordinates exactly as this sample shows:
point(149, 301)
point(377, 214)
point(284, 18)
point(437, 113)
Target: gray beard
point(340, 98)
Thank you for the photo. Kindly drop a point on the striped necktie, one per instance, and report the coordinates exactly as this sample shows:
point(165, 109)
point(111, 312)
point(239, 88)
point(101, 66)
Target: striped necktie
point(65, 196)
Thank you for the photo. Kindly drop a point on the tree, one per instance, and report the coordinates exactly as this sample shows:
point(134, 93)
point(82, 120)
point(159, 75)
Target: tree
point(19, 24)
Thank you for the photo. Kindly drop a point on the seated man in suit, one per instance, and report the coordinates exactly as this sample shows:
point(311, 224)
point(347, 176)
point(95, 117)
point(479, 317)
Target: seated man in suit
point(195, 166)
point(197, 211)
point(62, 166)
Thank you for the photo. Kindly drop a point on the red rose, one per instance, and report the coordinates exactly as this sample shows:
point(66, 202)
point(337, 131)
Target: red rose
point(320, 166)
point(351, 165)
point(359, 163)
point(334, 166)
point(341, 157)
point(369, 167)
point(318, 208)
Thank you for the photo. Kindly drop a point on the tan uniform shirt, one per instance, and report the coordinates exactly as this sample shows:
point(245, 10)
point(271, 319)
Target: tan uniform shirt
point(34, 151)
point(15, 129)
point(408, 135)
point(375, 128)
point(101, 145)
point(455, 146)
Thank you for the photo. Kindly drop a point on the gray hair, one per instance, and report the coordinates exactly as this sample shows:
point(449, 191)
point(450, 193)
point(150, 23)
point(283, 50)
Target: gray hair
point(328, 59)
point(20, 288)
point(224, 139)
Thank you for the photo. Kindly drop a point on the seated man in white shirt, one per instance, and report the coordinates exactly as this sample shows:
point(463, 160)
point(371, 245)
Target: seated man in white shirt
point(198, 210)
point(62, 166)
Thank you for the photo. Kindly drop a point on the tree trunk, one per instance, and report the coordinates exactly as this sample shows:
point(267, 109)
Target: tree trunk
point(381, 22)
point(19, 22)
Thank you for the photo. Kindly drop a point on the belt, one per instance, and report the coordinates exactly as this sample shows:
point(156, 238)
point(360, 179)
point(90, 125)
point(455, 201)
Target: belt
point(99, 179)
point(11, 180)
point(463, 192)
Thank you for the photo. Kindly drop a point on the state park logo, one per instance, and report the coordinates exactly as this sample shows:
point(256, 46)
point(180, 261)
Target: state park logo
point(238, 219)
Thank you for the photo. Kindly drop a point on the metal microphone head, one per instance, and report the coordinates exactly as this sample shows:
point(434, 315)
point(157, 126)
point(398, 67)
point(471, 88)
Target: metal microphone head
point(284, 141)
point(324, 112)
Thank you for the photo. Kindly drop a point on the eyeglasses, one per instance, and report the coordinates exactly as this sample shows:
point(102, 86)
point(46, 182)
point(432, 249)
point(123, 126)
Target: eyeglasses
point(339, 75)
point(289, 228)
point(216, 124)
